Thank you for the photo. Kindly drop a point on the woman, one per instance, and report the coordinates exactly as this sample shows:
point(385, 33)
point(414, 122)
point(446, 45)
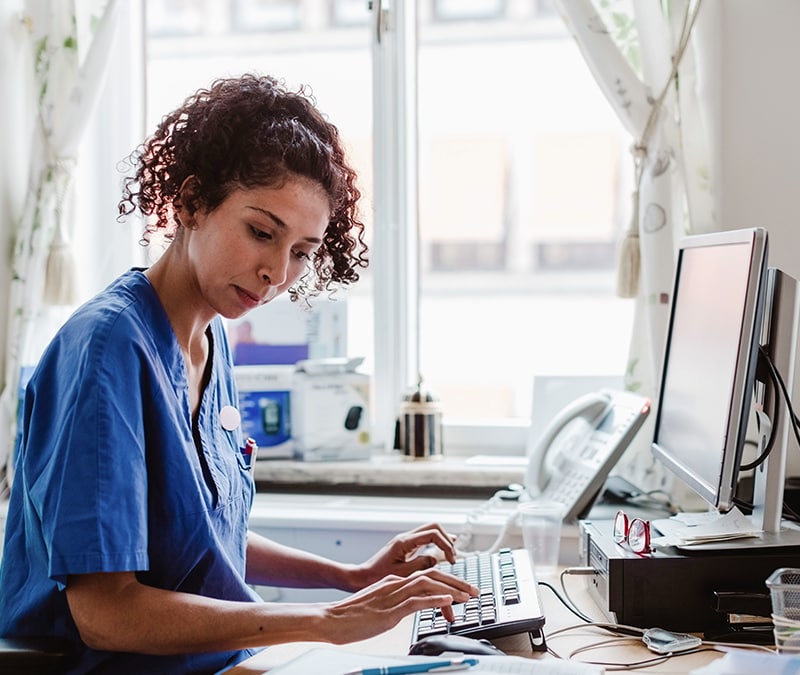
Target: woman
point(127, 527)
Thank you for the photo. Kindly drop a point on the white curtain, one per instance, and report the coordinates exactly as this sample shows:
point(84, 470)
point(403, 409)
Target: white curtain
point(69, 42)
point(645, 55)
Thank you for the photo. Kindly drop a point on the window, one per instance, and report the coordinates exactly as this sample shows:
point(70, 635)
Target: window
point(503, 183)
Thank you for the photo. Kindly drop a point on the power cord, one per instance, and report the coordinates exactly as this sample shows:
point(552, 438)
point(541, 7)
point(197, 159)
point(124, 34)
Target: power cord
point(497, 501)
point(776, 378)
point(566, 602)
point(649, 499)
point(624, 633)
point(780, 388)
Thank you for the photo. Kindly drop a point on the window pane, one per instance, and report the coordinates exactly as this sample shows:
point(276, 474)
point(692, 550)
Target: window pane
point(524, 190)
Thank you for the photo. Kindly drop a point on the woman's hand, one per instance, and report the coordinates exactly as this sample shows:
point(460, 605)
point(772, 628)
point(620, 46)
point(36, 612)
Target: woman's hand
point(382, 605)
point(402, 557)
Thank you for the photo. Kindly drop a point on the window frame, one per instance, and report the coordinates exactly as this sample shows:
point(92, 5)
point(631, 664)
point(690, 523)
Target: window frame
point(395, 253)
point(395, 246)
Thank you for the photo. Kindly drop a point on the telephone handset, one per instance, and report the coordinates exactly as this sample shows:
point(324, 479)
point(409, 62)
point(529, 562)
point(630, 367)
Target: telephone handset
point(570, 461)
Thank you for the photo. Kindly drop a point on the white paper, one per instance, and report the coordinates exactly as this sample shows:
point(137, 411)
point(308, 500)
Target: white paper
point(707, 527)
point(743, 662)
point(337, 662)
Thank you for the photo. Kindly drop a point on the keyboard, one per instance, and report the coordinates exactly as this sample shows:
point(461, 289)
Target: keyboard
point(508, 602)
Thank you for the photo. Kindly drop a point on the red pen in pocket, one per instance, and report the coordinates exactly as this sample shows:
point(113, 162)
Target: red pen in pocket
point(250, 452)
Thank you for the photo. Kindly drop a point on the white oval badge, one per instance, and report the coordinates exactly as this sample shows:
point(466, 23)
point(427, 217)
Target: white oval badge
point(229, 418)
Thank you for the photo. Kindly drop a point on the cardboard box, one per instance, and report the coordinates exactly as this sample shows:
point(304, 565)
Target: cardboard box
point(285, 332)
point(265, 406)
point(331, 410)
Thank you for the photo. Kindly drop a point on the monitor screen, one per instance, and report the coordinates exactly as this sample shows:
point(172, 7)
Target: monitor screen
point(708, 374)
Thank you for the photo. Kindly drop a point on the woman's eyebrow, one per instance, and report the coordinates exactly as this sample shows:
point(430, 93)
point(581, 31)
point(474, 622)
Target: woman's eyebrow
point(268, 214)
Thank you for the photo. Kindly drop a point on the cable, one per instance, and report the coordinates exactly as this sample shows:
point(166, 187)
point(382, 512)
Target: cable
point(790, 514)
point(774, 377)
point(566, 603)
point(788, 399)
point(778, 385)
point(633, 634)
point(498, 499)
point(572, 607)
point(647, 499)
point(653, 661)
point(571, 571)
point(615, 628)
point(622, 633)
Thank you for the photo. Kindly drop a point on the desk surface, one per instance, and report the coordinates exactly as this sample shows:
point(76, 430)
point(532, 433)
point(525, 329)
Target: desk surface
point(395, 641)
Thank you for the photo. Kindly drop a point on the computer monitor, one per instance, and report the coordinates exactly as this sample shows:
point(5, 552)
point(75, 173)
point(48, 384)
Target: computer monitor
point(731, 350)
point(711, 352)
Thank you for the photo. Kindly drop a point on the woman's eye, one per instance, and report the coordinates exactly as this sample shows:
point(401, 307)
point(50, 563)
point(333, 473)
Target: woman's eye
point(302, 255)
point(259, 233)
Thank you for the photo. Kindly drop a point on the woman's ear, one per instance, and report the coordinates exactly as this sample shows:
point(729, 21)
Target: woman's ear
point(185, 202)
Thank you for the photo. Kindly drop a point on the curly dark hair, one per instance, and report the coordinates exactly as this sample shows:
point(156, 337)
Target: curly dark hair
point(246, 132)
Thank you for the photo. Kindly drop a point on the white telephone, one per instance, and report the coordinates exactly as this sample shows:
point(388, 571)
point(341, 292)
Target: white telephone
point(571, 460)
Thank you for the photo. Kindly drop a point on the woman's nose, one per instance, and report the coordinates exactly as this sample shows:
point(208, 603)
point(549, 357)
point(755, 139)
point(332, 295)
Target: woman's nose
point(274, 271)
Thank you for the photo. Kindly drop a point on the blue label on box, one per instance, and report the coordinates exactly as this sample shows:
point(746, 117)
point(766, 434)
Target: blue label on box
point(266, 416)
point(255, 354)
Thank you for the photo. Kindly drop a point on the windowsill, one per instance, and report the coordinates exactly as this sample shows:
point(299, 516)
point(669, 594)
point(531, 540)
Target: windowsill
point(391, 475)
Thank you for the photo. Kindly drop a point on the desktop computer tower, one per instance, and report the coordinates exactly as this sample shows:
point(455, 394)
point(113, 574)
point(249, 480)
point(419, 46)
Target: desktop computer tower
point(720, 594)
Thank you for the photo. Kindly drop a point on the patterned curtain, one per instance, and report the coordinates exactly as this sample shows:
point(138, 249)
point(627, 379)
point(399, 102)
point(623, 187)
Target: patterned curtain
point(644, 56)
point(70, 41)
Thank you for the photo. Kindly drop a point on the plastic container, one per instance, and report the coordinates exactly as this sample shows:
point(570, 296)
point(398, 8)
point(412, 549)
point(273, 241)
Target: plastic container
point(784, 588)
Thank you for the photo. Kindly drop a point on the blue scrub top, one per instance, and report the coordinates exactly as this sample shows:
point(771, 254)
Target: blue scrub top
point(109, 477)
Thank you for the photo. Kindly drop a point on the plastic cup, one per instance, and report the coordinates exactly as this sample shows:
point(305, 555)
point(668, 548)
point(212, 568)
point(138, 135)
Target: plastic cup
point(540, 523)
point(787, 635)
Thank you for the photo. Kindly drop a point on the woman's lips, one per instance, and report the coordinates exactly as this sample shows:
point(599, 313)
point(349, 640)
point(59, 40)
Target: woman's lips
point(247, 298)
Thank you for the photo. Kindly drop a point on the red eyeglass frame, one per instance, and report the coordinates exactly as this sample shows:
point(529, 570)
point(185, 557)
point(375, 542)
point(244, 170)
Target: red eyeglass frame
point(622, 530)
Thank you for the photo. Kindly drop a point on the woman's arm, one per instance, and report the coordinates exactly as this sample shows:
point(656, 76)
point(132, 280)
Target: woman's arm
point(269, 563)
point(114, 612)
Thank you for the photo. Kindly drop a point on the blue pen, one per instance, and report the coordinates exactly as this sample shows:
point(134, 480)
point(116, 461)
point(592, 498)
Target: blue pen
point(428, 667)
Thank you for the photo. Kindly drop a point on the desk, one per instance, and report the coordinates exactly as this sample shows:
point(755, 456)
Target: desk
point(395, 641)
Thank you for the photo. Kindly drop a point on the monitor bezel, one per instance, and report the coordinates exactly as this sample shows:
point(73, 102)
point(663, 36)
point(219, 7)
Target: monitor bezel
point(721, 495)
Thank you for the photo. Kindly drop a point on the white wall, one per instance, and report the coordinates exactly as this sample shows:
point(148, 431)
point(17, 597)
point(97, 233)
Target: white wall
point(759, 177)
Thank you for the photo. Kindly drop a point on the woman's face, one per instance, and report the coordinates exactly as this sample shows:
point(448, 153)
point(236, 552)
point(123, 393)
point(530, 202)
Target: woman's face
point(256, 244)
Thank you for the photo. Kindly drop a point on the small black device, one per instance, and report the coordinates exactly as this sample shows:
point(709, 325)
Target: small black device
point(617, 490)
point(439, 644)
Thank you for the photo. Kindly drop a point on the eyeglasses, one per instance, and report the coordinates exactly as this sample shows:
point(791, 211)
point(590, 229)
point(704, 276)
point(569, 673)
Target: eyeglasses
point(635, 533)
